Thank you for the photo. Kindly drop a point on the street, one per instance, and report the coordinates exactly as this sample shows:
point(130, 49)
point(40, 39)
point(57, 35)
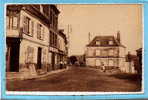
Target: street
point(77, 79)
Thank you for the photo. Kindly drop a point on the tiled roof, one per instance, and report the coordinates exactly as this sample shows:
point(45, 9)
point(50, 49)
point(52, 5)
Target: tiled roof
point(104, 41)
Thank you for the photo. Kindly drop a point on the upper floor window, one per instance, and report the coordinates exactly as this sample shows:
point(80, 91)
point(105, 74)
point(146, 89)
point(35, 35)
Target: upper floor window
point(98, 52)
point(41, 8)
point(104, 52)
point(98, 42)
point(28, 26)
point(53, 39)
point(11, 22)
point(39, 27)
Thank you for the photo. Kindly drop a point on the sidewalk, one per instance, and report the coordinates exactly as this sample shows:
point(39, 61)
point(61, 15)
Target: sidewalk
point(17, 77)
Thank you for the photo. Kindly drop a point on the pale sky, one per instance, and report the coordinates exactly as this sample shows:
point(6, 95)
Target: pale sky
point(102, 20)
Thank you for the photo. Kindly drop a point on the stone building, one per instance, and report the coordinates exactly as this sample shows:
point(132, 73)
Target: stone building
point(107, 51)
point(32, 38)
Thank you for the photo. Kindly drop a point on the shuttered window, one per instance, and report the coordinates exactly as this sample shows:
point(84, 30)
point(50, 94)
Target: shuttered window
point(26, 25)
point(12, 22)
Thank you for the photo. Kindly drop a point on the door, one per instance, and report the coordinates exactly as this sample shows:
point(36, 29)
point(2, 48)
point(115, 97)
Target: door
point(53, 61)
point(39, 64)
point(12, 58)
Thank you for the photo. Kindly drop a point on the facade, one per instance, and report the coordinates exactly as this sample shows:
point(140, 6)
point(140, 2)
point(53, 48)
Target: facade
point(32, 38)
point(131, 63)
point(107, 51)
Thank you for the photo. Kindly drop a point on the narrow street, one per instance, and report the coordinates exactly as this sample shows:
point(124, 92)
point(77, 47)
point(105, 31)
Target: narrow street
point(76, 79)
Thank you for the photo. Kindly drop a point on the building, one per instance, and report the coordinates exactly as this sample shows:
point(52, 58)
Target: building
point(139, 66)
point(62, 47)
point(32, 38)
point(107, 51)
point(131, 63)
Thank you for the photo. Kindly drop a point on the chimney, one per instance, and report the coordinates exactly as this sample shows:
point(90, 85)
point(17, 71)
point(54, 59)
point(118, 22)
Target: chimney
point(118, 36)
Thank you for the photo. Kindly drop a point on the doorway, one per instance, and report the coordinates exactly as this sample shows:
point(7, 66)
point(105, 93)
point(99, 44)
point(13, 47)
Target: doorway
point(12, 58)
point(53, 60)
point(39, 56)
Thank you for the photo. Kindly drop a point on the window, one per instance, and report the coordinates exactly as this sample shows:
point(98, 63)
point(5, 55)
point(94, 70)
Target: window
point(110, 42)
point(42, 32)
point(111, 63)
point(104, 52)
point(98, 52)
point(53, 39)
point(46, 10)
point(8, 22)
point(31, 28)
point(26, 25)
point(39, 27)
point(111, 52)
point(98, 43)
point(11, 22)
point(14, 22)
point(41, 8)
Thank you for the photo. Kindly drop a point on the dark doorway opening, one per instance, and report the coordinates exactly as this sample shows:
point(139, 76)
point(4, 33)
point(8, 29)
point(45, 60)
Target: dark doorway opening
point(53, 60)
point(39, 64)
point(12, 55)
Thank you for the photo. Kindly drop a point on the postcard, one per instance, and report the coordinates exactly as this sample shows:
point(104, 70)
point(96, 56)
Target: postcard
point(70, 50)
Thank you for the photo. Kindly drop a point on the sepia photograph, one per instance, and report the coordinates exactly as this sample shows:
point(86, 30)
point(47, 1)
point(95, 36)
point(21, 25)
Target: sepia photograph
point(74, 48)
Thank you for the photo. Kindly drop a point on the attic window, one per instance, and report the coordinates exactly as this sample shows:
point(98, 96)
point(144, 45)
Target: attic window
point(110, 42)
point(98, 43)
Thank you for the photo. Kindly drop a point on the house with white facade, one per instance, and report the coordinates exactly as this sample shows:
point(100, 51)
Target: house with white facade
point(107, 51)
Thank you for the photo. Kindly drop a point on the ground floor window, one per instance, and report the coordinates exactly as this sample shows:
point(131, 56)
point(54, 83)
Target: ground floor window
point(111, 62)
point(98, 62)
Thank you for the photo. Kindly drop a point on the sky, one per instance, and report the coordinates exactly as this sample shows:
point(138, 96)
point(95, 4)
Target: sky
point(101, 19)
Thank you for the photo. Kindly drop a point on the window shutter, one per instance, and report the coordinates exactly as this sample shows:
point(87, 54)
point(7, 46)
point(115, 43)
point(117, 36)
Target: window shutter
point(8, 22)
point(32, 26)
point(42, 32)
point(24, 24)
point(14, 25)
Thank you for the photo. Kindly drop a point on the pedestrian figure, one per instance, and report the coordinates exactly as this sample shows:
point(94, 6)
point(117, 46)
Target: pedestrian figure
point(103, 67)
point(65, 64)
point(61, 64)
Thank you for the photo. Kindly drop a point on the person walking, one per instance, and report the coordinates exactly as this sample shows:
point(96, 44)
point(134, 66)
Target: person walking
point(61, 64)
point(103, 67)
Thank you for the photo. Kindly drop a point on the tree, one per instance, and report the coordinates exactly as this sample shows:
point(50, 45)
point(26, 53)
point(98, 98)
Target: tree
point(73, 59)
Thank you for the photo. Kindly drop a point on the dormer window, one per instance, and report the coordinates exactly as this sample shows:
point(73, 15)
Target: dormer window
point(98, 42)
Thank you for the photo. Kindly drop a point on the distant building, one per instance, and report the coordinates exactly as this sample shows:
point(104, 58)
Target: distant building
point(106, 50)
point(139, 54)
point(32, 37)
point(62, 47)
point(131, 63)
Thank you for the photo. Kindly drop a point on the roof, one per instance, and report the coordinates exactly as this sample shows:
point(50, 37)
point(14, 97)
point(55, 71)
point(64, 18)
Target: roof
point(104, 41)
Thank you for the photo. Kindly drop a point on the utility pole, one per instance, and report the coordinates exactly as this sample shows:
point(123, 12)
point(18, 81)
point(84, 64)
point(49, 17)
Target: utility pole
point(89, 35)
point(69, 30)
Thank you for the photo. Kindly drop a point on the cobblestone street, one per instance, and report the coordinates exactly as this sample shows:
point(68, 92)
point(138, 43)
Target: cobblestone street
point(76, 79)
